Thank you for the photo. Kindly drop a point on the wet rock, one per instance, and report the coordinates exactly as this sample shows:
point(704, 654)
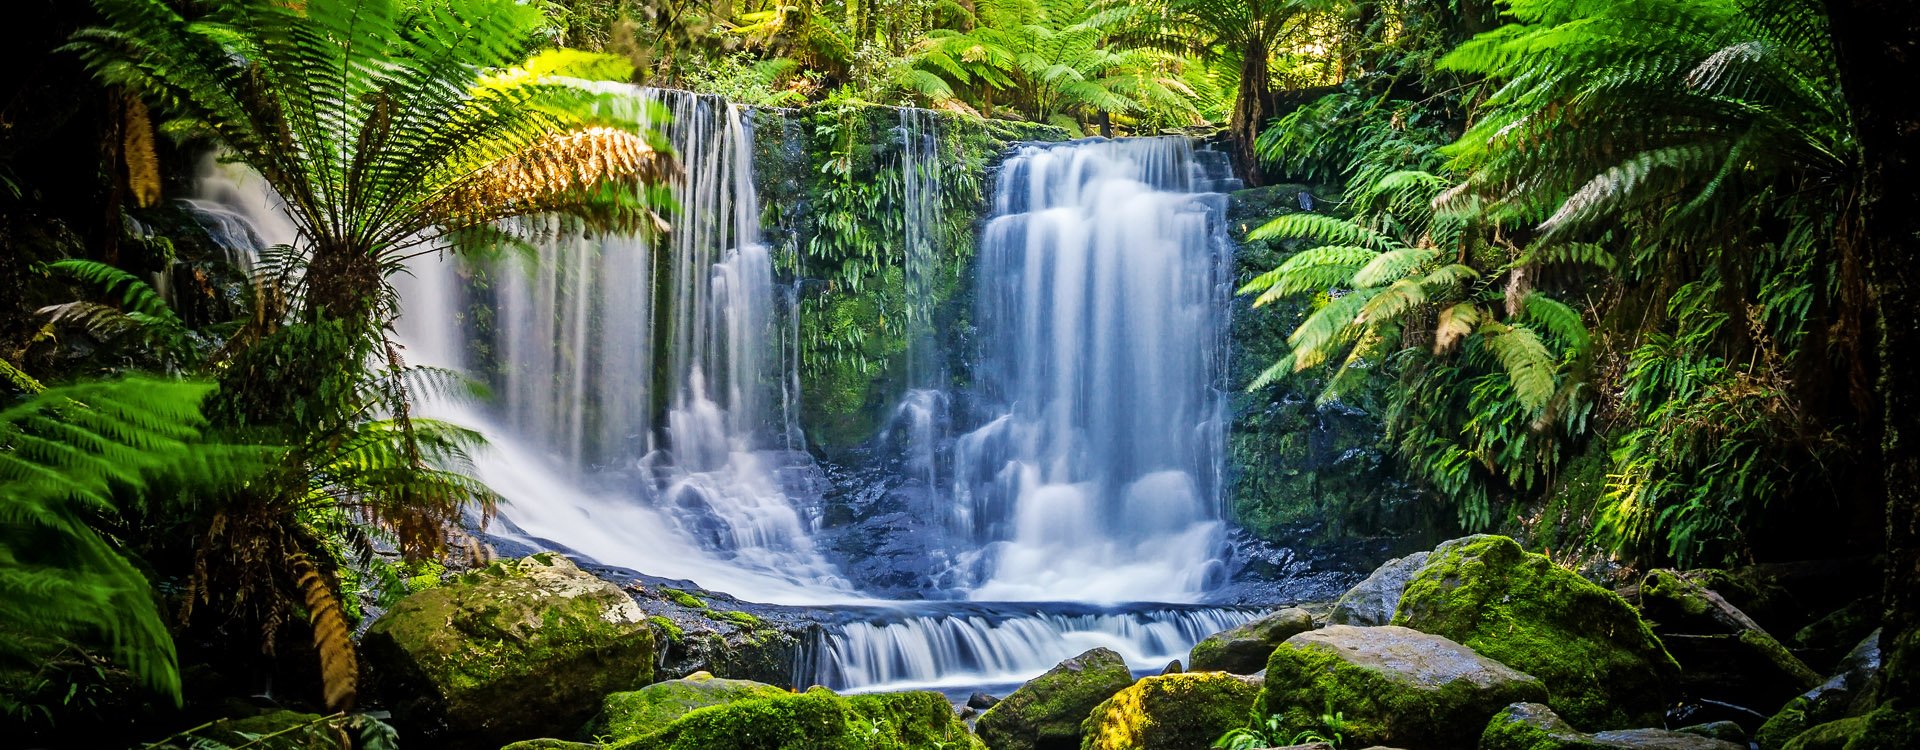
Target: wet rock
point(1602, 664)
point(1374, 600)
point(707, 631)
point(1826, 641)
point(1532, 726)
point(1172, 667)
point(1392, 685)
point(1719, 730)
point(637, 712)
point(1047, 712)
point(520, 649)
point(1244, 649)
point(1171, 712)
point(816, 719)
point(1841, 696)
point(981, 701)
point(1724, 655)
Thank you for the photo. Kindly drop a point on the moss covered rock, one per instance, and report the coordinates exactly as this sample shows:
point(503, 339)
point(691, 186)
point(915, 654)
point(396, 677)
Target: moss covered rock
point(1846, 694)
point(1244, 649)
point(1047, 712)
point(519, 649)
point(817, 720)
point(1532, 726)
point(275, 730)
point(647, 710)
point(1392, 685)
point(1840, 734)
point(1601, 663)
point(1723, 654)
point(1171, 712)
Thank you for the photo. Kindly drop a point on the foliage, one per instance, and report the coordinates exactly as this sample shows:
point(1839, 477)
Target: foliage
point(1272, 732)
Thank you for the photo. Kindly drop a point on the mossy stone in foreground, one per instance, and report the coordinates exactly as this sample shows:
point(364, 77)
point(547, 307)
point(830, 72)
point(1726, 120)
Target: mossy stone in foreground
point(1244, 649)
point(1532, 726)
point(1602, 665)
point(520, 649)
point(1171, 712)
point(651, 708)
point(817, 720)
point(1046, 713)
point(1391, 685)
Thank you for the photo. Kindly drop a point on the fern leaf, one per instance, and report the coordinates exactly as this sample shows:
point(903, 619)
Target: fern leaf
point(332, 636)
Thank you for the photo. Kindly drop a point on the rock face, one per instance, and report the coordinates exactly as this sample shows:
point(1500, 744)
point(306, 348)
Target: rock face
point(816, 720)
point(1392, 685)
point(1840, 697)
point(1244, 649)
point(1046, 713)
point(519, 649)
point(647, 710)
point(1171, 712)
point(1374, 600)
point(1723, 654)
point(1532, 726)
point(1603, 666)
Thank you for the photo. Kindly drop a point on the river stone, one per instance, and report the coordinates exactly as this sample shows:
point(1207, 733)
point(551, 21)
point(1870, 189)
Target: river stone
point(1532, 726)
point(1047, 712)
point(1373, 601)
point(1244, 649)
point(1844, 695)
point(1393, 685)
point(520, 649)
point(816, 720)
point(1601, 663)
point(637, 712)
point(1171, 712)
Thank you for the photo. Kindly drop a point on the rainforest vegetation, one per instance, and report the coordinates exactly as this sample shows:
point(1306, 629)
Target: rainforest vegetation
point(1630, 281)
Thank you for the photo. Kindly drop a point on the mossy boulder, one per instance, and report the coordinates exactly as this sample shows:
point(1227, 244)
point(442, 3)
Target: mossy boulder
point(520, 649)
point(1185, 711)
point(1046, 713)
point(1840, 734)
point(1374, 600)
point(1244, 649)
point(1392, 685)
point(275, 730)
point(637, 712)
point(1532, 726)
point(1724, 655)
point(1602, 665)
point(1844, 695)
point(817, 720)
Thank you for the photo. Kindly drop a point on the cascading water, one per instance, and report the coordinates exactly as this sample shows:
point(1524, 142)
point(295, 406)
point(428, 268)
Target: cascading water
point(1101, 288)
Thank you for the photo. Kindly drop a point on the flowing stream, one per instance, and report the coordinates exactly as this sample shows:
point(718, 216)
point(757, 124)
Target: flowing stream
point(646, 400)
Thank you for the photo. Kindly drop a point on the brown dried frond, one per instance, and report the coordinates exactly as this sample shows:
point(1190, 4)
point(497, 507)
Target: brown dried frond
point(1454, 324)
point(553, 174)
point(136, 149)
point(332, 637)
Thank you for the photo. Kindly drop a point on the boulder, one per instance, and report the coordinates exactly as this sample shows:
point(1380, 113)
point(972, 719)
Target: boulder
point(517, 650)
point(816, 719)
point(1048, 710)
point(1723, 654)
point(1171, 712)
point(1373, 601)
point(1244, 649)
point(981, 701)
point(1842, 696)
point(1532, 726)
point(1391, 685)
point(1719, 730)
point(1601, 663)
point(647, 710)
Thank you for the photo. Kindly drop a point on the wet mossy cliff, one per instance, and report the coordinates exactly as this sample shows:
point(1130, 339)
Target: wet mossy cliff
point(838, 183)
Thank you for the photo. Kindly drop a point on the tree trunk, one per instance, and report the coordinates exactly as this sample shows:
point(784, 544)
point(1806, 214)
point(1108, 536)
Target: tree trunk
point(1251, 108)
point(1877, 42)
point(343, 284)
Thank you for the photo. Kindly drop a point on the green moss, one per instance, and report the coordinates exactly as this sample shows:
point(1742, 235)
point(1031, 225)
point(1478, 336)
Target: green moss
point(1602, 664)
point(816, 720)
point(1304, 682)
point(668, 628)
point(741, 618)
point(1049, 710)
point(1885, 728)
point(683, 598)
point(1782, 727)
point(1835, 735)
point(640, 712)
point(1188, 710)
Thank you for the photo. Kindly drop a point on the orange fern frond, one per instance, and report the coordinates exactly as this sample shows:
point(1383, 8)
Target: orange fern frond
point(332, 637)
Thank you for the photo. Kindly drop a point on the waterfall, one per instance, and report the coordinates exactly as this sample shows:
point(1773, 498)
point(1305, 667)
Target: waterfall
point(1102, 286)
point(986, 646)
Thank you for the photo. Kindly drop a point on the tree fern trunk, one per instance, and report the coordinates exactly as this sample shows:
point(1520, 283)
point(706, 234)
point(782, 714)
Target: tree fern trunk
point(1878, 42)
point(1250, 109)
point(342, 283)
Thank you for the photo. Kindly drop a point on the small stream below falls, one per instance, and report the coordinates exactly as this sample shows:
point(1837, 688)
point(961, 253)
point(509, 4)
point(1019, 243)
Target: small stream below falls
point(647, 393)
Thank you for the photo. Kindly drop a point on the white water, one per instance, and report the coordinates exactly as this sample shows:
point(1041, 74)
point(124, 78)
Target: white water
point(1101, 295)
